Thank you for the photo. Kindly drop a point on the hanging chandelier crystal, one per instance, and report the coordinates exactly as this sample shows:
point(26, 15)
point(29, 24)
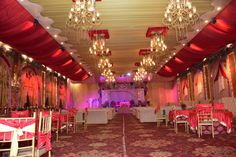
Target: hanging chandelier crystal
point(179, 15)
point(83, 15)
point(147, 61)
point(157, 43)
point(98, 47)
point(104, 63)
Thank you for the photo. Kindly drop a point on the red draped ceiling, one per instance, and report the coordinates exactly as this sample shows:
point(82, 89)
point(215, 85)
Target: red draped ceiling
point(18, 30)
point(207, 42)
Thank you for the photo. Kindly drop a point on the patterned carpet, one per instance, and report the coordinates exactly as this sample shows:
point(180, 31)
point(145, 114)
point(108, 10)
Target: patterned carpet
point(141, 140)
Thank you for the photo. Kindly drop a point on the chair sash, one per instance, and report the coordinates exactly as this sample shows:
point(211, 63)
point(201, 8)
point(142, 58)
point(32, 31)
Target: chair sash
point(17, 128)
point(44, 139)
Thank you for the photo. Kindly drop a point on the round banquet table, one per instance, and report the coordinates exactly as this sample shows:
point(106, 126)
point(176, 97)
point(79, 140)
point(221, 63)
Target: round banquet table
point(220, 117)
point(178, 113)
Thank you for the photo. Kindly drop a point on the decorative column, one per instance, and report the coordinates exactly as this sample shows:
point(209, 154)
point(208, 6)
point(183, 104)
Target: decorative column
point(43, 89)
point(207, 82)
point(232, 72)
point(180, 100)
point(190, 85)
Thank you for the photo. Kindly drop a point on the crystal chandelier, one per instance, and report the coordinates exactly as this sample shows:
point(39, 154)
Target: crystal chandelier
point(108, 74)
point(147, 61)
point(104, 63)
point(98, 47)
point(110, 79)
point(137, 77)
point(179, 15)
point(83, 15)
point(140, 74)
point(157, 43)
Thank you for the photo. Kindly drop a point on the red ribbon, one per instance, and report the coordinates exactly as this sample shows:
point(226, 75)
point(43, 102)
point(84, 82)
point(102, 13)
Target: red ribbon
point(44, 139)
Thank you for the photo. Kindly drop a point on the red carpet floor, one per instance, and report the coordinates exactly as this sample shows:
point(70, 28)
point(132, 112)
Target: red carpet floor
point(124, 136)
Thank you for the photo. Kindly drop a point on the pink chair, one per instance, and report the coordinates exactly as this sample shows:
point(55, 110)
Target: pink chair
point(14, 130)
point(44, 134)
point(205, 118)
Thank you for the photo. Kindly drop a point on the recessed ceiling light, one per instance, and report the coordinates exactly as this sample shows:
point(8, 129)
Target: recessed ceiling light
point(229, 45)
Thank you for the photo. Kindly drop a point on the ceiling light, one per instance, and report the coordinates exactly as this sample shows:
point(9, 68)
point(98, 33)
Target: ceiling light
point(24, 56)
point(99, 46)
point(157, 42)
point(229, 45)
point(128, 74)
point(148, 61)
point(7, 47)
point(30, 59)
point(104, 63)
point(48, 69)
point(206, 21)
point(83, 15)
point(179, 15)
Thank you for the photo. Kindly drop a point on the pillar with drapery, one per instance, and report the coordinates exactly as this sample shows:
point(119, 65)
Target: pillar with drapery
point(220, 75)
point(231, 62)
point(184, 89)
point(198, 86)
point(190, 85)
point(4, 86)
point(207, 83)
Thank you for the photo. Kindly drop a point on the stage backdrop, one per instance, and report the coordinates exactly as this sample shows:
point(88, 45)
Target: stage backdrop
point(119, 95)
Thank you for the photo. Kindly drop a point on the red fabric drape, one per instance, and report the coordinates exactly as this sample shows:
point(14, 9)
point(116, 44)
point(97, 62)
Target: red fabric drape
point(208, 41)
point(221, 70)
point(17, 29)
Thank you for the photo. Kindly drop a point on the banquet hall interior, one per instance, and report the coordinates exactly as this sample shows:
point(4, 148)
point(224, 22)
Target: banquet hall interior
point(118, 78)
